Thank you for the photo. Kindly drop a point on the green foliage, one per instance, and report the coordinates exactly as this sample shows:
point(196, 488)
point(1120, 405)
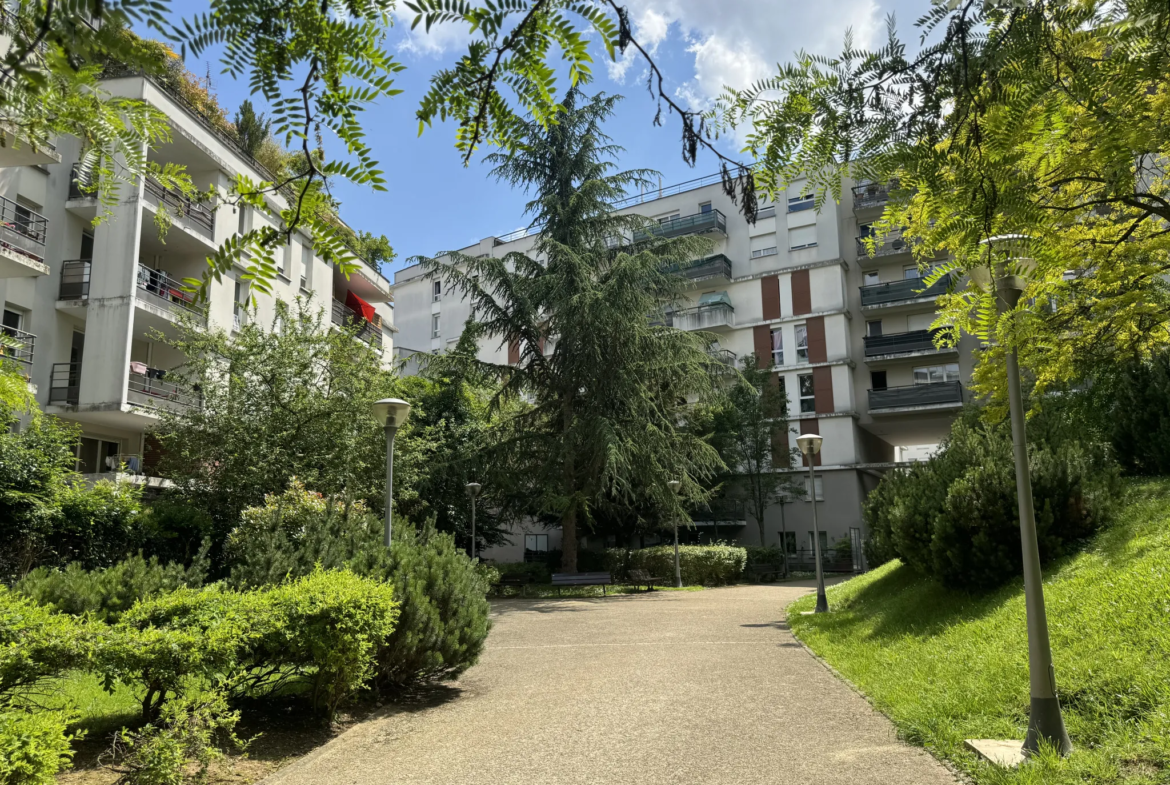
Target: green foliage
point(252, 129)
point(948, 665)
point(33, 747)
point(534, 571)
point(105, 594)
point(96, 526)
point(955, 517)
point(1133, 404)
point(701, 565)
point(174, 530)
point(37, 645)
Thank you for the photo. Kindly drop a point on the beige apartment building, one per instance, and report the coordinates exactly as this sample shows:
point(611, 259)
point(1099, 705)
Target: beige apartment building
point(848, 336)
point(86, 303)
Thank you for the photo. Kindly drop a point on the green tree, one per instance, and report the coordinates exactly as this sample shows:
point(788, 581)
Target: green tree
point(609, 393)
point(252, 129)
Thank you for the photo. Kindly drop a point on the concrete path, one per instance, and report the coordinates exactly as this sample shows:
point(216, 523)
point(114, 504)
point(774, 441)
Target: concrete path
point(669, 687)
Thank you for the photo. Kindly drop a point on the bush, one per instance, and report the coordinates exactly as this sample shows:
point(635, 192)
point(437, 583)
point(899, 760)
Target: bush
point(98, 526)
point(702, 565)
point(587, 561)
point(36, 645)
point(537, 572)
point(106, 594)
point(33, 747)
point(1135, 404)
point(174, 531)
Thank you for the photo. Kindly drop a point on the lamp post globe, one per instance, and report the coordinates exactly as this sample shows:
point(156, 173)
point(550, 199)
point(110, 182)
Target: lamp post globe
point(473, 489)
point(675, 486)
point(392, 414)
point(810, 445)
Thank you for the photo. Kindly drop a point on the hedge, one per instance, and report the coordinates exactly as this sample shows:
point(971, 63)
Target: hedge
point(701, 565)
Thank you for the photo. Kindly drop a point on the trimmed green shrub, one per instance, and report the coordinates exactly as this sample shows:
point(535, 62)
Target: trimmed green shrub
point(537, 572)
point(33, 747)
point(98, 526)
point(175, 531)
point(587, 561)
point(37, 644)
point(107, 593)
point(702, 565)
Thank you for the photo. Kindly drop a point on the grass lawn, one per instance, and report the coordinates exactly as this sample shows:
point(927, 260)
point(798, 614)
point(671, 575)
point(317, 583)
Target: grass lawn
point(947, 665)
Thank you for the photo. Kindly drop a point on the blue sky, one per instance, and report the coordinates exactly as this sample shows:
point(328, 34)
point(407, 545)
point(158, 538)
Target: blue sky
point(433, 202)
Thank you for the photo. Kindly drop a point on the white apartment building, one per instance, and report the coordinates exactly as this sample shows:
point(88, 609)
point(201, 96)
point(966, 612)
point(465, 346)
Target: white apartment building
point(85, 302)
point(847, 336)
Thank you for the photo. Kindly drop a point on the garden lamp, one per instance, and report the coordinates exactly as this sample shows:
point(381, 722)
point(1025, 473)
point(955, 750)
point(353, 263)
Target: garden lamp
point(473, 489)
point(810, 445)
point(674, 486)
point(392, 413)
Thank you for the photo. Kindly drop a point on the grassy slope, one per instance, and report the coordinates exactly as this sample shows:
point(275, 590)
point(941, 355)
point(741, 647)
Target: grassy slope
point(947, 665)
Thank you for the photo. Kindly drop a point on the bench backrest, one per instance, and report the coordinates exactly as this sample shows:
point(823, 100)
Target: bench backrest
point(580, 578)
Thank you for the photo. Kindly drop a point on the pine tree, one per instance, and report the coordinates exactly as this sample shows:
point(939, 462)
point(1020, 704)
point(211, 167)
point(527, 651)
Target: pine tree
point(251, 128)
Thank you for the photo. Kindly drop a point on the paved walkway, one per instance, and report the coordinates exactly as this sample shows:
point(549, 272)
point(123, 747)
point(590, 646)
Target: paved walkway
point(669, 687)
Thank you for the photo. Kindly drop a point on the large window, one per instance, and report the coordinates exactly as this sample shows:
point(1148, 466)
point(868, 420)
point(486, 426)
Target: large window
point(910, 272)
point(808, 403)
point(824, 541)
point(820, 486)
point(535, 547)
point(801, 203)
point(873, 328)
point(802, 237)
point(777, 347)
point(932, 374)
point(801, 343)
point(437, 289)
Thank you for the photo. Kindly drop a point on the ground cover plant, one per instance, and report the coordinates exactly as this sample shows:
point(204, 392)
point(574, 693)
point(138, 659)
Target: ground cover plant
point(948, 665)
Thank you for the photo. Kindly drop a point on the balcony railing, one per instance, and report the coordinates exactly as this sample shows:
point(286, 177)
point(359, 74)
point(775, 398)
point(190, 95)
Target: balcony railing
point(22, 230)
point(197, 213)
point(868, 195)
point(725, 356)
point(717, 266)
point(159, 289)
point(914, 395)
point(699, 223)
point(900, 343)
point(22, 353)
point(903, 291)
point(146, 389)
point(892, 244)
point(703, 317)
point(64, 384)
point(79, 183)
point(344, 316)
point(75, 279)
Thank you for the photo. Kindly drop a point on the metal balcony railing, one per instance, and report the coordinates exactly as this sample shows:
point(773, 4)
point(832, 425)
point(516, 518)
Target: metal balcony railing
point(717, 266)
point(64, 384)
point(702, 317)
point(78, 182)
point(147, 389)
point(344, 316)
point(902, 291)
point(158, 288)
point(75, 279)
point(866, 195)
point(892, 244)
point(22, 230)
point(197, 213)
point(22, 353)
point(914, 395)
point(900, 343)
point(699, 223)
point(725, 356)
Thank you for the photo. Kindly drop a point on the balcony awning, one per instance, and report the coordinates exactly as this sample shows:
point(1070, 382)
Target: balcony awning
point(359, 306)
point(715, 298)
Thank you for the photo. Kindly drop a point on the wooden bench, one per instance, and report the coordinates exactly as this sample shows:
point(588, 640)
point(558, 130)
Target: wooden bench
point(601, 579)
point(642, 578)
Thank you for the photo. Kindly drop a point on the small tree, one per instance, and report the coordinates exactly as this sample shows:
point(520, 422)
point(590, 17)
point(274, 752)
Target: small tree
point(251, 129)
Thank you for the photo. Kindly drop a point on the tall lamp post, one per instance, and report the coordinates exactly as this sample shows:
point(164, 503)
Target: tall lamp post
point(473, 489)
point(810, 445)
point(1007, 277)
point(392, 413)
point(674, 486)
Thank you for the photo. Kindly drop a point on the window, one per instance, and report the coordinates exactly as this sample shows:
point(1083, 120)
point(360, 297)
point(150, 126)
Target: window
point(802, 237)
point(243, 223)
point(910, 272)
point(808, 404)
point(535, 547)
point(801, 203)
point(435, 325)
point(801, 343)
point(766, 212)
point(873, 329)
point(283, 260)
point(877, 380)
point(820, 486)
point(759, 252)
point(865, 230)
point(824, 538)
point(662, 219)
point(437, 291)
point(306, 267)
point(872, 279)
point(705, 208)
point(933, 374)
point(239, 309)
point(86, 245)
point(12, 320)
point(790, 542)
point(777, 348)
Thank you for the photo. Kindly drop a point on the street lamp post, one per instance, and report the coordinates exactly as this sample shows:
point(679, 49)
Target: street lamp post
point(1045, 723)
point(473, 489)
point(674, 486)
point(810, 445)
point(392, 413)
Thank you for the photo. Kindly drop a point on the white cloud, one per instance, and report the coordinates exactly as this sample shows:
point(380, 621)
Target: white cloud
point(441, 38)
point(650, 28)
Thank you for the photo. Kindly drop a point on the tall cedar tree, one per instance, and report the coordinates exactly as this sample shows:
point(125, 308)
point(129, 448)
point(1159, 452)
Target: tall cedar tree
point(608, 383)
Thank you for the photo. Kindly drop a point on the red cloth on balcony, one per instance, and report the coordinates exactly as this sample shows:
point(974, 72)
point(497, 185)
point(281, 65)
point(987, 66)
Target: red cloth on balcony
point(359, 306)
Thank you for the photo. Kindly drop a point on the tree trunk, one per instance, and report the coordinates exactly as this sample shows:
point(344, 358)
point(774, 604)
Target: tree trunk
point(760, 523)
point(569, 540)
point(783, 540)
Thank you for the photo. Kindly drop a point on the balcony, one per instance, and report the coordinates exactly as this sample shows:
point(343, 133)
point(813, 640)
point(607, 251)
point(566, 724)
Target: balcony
point(75, 279)
point(709, 316)
point(893, 244)
point(151, 389)
point(936, 395)
point(869, 195)
point(723, 356)
point(344, 316)
point(22, 240)
point(80, 183)
point(158, 289)
point(699, 223)
point(907, 291)
point(23, 353)
point(197, 214)
point(64, 384)
point(914, 342)
point(709, 268)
